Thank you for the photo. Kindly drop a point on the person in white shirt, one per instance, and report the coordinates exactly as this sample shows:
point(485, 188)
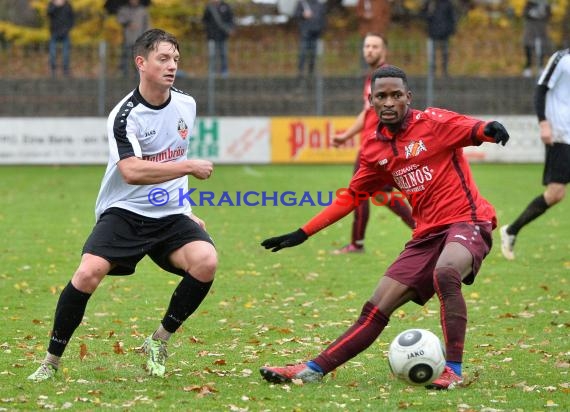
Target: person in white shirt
point(552, 101)
point(141, 208)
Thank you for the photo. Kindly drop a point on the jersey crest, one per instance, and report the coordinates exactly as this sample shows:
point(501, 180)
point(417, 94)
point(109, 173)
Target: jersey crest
point(182, 129)
point(415, 148)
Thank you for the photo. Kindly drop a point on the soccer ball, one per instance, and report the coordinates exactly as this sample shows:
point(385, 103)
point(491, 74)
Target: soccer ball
point(416, 356)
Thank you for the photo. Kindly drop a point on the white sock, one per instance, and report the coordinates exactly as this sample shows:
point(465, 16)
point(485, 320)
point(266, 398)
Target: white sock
point(52, 360)
point(161, 334)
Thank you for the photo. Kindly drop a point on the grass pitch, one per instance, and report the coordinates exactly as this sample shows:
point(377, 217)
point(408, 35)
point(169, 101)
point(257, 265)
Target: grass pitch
point(274, 308)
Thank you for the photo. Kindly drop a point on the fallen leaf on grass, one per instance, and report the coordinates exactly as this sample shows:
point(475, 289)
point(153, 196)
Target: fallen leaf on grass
point(82, 351)
point(202, 390)
point(207, 353)
point(118, 348)
point(194, 339)
point(471, 379)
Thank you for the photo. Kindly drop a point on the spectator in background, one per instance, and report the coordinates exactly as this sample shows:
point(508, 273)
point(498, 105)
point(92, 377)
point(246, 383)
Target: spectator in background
point(311, 16)
point(440, 19)
point(61, 19)
point(565, 23)
point(135, 20)
point(373, 16)
point(535, 37)
point(218, 20)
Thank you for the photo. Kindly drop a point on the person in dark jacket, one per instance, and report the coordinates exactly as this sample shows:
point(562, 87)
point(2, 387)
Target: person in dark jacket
point(135, 20)
point(536, 15)
point(61, 19)
point(218, 20)
point(440, 18)
point(311, 16)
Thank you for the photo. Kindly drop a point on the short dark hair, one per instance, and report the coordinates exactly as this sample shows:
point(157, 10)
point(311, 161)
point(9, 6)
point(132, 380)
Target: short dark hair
point(379, 35)
point(149, 41)
point(389, 71)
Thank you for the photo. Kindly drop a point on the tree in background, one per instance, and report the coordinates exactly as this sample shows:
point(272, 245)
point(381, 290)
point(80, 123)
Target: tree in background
point(24, 23)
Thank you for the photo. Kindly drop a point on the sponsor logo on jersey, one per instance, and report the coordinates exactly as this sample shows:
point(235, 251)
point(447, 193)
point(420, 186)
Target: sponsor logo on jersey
point(182, 129)
point(411, 178)
point(166, 155)
point(415, 148)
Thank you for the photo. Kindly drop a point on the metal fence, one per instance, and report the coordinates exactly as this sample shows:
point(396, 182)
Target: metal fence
point(263, 80)
point(276, 55)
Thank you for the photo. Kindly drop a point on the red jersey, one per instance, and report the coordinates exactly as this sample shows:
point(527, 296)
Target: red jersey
point(370, 116)
point(424, 159)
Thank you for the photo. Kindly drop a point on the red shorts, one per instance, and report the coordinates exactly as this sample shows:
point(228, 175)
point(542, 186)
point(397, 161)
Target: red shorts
point(415, 265)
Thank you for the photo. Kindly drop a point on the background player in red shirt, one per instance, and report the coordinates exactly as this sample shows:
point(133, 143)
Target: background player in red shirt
point(421, 154)
point(374, 50)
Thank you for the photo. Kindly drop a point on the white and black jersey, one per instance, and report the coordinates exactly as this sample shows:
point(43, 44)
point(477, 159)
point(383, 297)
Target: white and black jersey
point(553, 96)
point(153, 133)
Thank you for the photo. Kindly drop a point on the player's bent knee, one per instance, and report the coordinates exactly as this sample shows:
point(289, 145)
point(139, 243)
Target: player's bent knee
point(558, 197)
point(555, 193)
point(447, 278)
point(205, 268)
point(86, 280)
point(210, 264)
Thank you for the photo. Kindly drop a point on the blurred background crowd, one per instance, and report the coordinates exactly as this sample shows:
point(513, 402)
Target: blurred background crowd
point(277, 38)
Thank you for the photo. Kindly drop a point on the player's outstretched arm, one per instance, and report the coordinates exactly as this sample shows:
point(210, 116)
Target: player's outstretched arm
point(326, 217)
point(289, 240)
point(497, 131)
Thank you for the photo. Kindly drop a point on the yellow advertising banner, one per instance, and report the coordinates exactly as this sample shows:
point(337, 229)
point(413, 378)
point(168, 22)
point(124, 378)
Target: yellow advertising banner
point(309, 140)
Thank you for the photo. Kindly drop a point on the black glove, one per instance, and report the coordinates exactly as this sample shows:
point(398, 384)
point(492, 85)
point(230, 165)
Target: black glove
point(289, 240)
point(497, 130)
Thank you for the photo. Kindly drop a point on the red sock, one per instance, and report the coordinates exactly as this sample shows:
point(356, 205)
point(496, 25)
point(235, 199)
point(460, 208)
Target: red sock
point(453, 311)
point(355, 340)
point(360, 221)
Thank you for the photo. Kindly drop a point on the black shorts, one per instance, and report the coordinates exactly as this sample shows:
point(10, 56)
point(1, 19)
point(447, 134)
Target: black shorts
point(123, 238)
point(557, 164)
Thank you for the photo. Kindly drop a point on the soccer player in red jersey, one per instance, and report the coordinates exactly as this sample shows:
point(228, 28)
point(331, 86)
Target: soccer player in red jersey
point(420, 152)
point(374, 50)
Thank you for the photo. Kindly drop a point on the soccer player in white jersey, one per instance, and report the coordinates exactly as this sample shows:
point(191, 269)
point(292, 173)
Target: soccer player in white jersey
point(552, 101)
point(138, 210)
